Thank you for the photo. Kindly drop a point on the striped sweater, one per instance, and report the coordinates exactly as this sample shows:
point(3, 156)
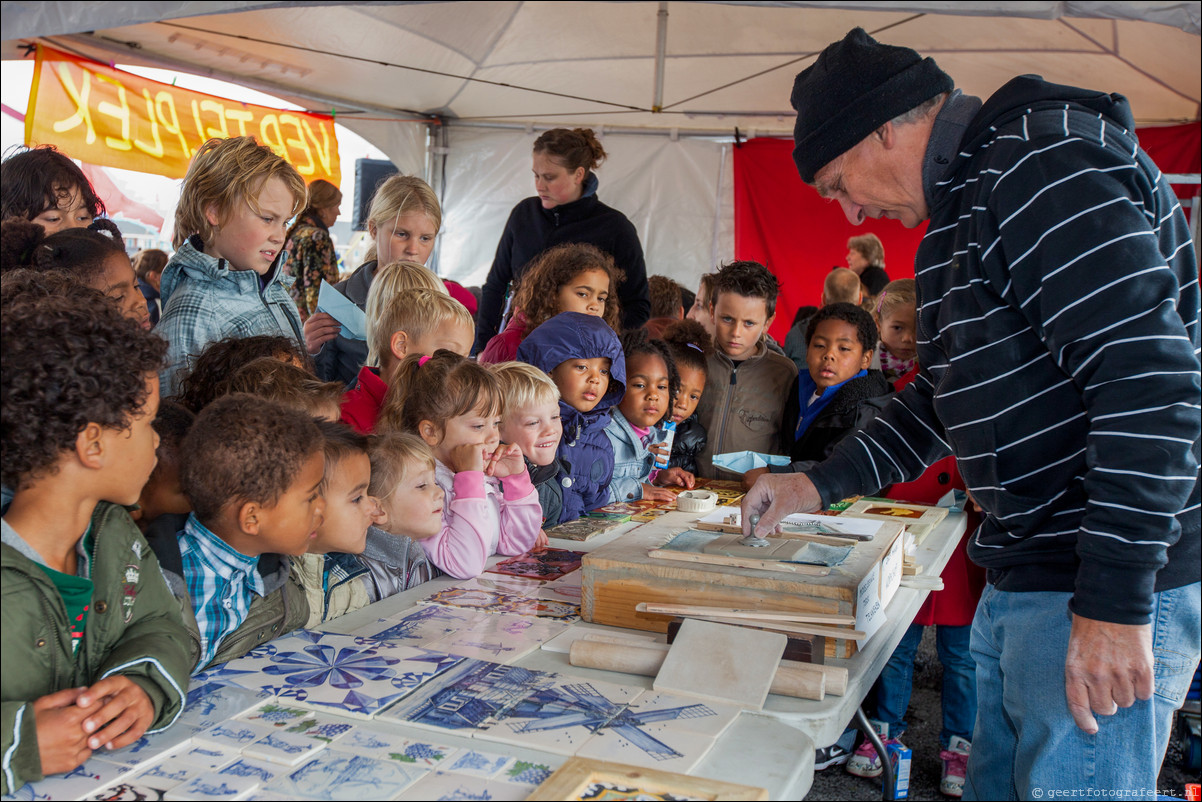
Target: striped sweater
point(1058, 334)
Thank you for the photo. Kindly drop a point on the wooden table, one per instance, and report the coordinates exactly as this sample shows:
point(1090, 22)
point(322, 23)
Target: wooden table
point(773, 749)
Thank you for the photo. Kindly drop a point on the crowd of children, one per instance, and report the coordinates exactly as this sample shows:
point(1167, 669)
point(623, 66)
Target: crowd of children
point(290, 475)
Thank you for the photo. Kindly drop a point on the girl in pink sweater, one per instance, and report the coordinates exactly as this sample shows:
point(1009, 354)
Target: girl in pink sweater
point(491, 507)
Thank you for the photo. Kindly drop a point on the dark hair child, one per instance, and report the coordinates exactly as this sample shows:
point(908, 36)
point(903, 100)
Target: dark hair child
point(216, 365)
point(253, 474)
point(163, 494)
point(634, 432)
point(830, 400)
point(78, 392)
point(44, 186)
point(94, 256)
point(691, 347)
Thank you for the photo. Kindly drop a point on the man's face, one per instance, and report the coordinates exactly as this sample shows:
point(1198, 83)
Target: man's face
point(879, 177)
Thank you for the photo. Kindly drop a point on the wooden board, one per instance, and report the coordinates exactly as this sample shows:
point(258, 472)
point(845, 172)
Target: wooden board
point(732, 664)
point(581, 778)
point(616, 577)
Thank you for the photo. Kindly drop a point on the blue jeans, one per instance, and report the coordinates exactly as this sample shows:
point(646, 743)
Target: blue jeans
point(1026, 744)
point(959, 695)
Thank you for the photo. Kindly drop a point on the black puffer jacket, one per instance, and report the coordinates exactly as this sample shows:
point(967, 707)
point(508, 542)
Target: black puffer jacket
point(690, 441)
point(847, 412)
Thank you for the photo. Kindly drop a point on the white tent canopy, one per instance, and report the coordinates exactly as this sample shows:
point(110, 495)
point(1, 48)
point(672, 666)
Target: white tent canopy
point(481, 77)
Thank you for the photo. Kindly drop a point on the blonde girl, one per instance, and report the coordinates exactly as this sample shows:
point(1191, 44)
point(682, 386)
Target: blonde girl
point(455, 406)
point(403, 222)
point(895, 313)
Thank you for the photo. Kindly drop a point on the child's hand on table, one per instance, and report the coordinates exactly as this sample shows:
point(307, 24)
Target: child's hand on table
point(468, 457)
point(505, 461)
point(126, 715)
point(62, 741)
point(676, 476)
point(653, 493)
point(541, 541)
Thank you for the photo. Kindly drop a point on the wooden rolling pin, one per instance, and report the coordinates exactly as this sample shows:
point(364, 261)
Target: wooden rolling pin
point(802, 680)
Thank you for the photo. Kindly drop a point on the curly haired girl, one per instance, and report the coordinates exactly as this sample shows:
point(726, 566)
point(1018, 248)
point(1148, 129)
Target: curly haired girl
point(574, 277)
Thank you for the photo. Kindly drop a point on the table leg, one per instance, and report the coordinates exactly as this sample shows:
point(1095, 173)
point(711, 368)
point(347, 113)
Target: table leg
point(886, 766)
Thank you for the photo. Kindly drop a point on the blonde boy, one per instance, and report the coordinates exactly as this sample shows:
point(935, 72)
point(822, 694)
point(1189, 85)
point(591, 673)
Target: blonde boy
point(225, 279)
point(418, 321)
point(531, 421)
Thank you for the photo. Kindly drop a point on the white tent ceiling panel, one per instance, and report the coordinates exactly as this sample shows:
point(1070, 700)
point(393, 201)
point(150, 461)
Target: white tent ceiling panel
point(431, 57)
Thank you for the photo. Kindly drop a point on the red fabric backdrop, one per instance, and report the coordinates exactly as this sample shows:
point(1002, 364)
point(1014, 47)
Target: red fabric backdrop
point(783, 224)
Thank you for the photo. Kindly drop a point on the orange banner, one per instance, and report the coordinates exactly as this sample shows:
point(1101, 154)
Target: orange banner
point(106, 116)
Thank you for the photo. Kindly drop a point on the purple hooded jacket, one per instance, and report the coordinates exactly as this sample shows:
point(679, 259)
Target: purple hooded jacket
point(585, 451)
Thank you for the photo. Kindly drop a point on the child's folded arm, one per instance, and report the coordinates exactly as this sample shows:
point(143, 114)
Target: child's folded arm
point(521, 515)
point(19, 759)
point(461, 547)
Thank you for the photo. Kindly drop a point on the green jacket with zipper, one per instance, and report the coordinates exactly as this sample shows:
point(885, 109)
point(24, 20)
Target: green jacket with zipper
point(133, 629)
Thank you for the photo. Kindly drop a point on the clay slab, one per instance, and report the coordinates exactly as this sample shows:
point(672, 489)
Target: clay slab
point(723, 663)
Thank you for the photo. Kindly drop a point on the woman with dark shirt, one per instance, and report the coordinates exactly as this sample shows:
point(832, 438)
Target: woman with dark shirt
point(566, 209)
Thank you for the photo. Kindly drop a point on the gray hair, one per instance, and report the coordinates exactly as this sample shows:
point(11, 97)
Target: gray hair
point(921, 111)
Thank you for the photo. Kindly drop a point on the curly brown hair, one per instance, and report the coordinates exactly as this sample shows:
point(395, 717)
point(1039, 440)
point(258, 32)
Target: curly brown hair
point(268, 377)
point(41, 178)
point(690, 344)
point(537, 295)
point(244, 449)
point(68, 360)
point(80, 253)
point(214, 369)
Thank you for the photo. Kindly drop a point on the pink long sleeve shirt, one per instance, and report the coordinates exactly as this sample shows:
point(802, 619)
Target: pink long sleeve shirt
point(482, 516)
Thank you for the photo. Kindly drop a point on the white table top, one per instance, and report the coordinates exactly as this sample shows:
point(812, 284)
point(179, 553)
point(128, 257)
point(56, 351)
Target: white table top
point(773, 749)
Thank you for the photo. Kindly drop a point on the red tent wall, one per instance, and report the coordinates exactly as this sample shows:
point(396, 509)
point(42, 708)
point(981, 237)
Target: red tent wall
point(783, 224)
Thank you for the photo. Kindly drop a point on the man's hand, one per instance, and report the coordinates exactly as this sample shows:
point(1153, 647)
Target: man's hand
point(774, 496)
point(1108, 666)
point(62, 742)
point(319, 329)
point(675, 476)
point(125, 716)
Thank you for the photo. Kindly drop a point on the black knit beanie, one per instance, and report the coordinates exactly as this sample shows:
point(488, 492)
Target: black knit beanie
point(856, 86)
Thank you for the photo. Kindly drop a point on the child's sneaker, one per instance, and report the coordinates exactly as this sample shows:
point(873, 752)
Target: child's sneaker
point(837, 753)
point(955, 763)
point(866, 762)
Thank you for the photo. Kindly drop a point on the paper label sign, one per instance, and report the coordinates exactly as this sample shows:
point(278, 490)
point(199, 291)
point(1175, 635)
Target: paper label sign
point(101, 115)
point(342, 309)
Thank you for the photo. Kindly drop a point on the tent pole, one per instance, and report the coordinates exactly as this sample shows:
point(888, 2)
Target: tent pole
point(661, 54)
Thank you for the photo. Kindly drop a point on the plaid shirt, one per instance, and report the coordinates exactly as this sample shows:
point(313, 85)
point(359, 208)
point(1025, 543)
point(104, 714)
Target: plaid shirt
point(221, 583)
